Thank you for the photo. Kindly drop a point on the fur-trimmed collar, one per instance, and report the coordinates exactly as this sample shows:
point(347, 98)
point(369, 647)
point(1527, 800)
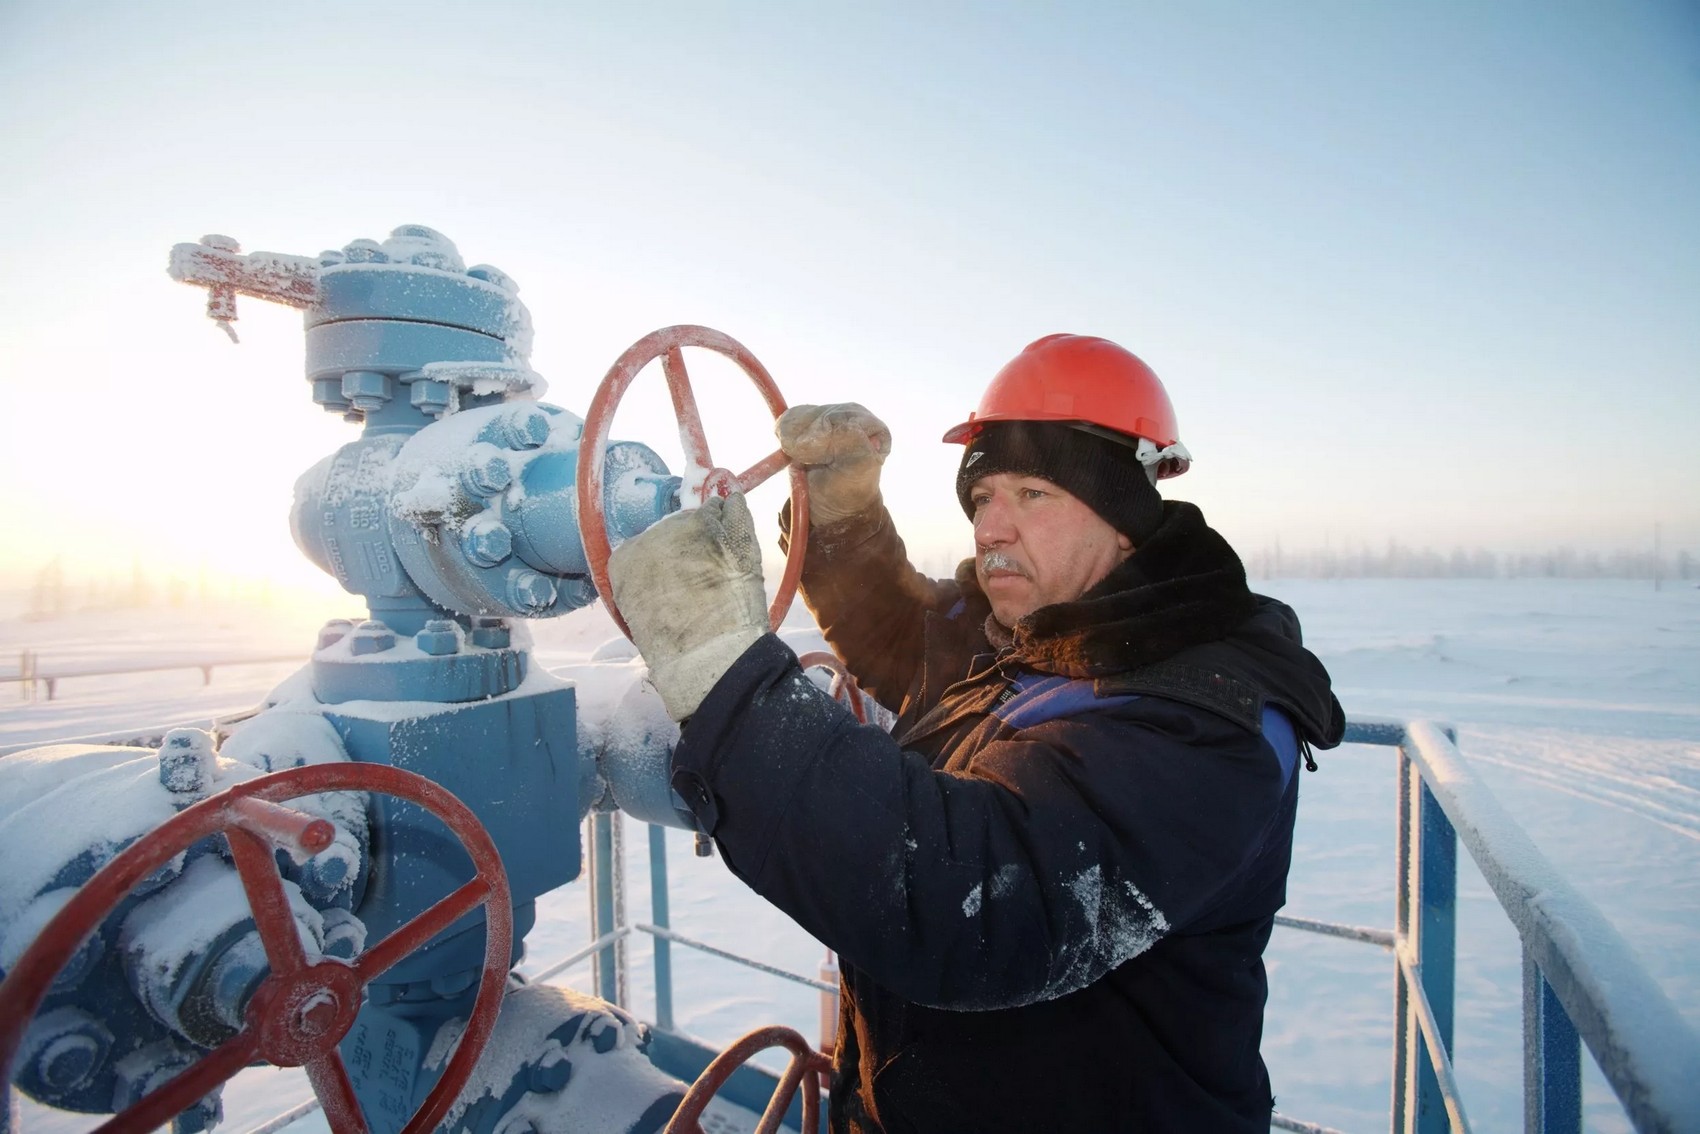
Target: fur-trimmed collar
point(1182, 587)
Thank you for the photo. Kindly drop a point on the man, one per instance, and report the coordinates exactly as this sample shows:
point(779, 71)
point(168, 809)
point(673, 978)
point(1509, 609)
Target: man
point(1051, 885)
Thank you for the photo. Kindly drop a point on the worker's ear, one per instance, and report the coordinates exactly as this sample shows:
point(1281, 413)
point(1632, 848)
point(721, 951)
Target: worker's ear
point(1125, 544)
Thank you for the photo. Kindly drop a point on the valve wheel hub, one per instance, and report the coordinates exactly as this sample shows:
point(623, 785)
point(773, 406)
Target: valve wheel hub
point(303, 1015)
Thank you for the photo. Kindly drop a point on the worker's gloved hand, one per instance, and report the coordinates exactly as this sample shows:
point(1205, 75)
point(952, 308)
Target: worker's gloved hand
point(842, 446)
point(690, 588)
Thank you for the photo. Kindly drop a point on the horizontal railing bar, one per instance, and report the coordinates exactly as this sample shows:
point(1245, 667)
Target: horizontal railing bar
point(146, 736)
point(1642, 1044)
point(1279, 1121)
point(582, 955)
point(1429, 1028)
point(301, 1110)
point(149, 667)
point(771, 970)
point(1389, 731)
point(1369, 935)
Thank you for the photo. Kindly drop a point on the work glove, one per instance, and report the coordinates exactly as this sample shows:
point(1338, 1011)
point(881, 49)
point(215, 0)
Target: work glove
point(842, 446)
point(690, 588)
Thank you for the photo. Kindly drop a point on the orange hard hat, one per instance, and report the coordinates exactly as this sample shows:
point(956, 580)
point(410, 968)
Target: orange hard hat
point(1088, 381)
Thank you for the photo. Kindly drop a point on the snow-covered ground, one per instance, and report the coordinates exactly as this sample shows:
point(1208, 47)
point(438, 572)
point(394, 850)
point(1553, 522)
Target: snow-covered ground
point(1578, 702)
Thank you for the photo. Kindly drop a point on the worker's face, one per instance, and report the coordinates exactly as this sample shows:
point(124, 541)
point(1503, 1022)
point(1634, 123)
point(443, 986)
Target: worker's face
point(1035, 544)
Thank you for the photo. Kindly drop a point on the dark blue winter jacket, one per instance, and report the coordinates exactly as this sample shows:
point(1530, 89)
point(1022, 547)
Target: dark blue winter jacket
point(1050, 916)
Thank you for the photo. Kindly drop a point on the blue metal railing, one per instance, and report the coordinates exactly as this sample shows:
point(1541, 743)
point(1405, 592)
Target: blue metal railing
point(1581, 983)
point(1580, 980)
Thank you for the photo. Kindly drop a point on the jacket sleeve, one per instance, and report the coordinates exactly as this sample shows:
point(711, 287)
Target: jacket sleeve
point(868, 601)
point(1063, 852)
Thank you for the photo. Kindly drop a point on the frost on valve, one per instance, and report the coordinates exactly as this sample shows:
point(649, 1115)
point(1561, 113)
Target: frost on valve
point(344, 879)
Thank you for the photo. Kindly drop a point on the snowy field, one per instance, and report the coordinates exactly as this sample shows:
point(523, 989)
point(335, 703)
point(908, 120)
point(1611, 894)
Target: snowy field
point(1578, 702)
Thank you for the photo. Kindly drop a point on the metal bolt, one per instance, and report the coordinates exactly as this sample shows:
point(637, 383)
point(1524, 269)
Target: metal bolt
point(493, 275)
point(186, 761)
point(68, 1061)
point(487, 541)
point(323, 874)
point(530, 592)
point(488, 475)
point(327, 392)
point(430, 397)
point(371, 638)
point(345, 934)
point(433, 258)
point(366, 390)
point(426, 247)
point(490, 633)
point(317, 1016)
point(547, 1078)
point(438, 638)
point(522, 429)
point(364, 251)
point(221, 242)
point(333, 632)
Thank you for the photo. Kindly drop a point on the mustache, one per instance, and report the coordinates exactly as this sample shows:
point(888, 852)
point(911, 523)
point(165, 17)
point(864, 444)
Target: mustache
point(998, 561)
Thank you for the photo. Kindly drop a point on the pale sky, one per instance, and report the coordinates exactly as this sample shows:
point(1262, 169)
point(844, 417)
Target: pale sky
point(1426, 272)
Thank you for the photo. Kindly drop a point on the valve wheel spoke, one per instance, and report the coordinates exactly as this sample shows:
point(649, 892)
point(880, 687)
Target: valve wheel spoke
point(256, 862)
point(281, 1025)
point(762, 470)
point(691, 436)
point(377, 960)
point(804, 1070)
point(195, 1082)
point(329, 1076)
point(667, 344)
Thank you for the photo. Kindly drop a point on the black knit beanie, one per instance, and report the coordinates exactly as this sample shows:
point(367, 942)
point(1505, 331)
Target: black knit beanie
point(1104, 475)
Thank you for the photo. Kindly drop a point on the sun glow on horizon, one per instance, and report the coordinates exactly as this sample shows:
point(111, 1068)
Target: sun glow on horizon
point(1448, 305)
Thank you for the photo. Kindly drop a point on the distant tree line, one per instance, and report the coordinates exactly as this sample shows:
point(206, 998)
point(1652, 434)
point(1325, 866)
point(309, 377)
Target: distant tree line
point(1397, 561)
point(55, 593)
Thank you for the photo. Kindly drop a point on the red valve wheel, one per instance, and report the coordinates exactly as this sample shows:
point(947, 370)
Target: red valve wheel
point(303, 1007)
point(805, 1070)
point(666, 345)
point(844, 689)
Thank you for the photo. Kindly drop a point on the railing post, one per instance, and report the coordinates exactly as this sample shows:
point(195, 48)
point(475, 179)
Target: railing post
point(1404, 1016)
point(1552, 1059)
point(659, 914)
point(1436, 944)
point(606, 964)
point(1425, 926)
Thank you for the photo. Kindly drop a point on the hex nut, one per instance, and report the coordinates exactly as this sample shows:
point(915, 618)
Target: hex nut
point(371, 637)
point(487, 541)
point(530, 592)
point(186, 762)
point(490, 633)
point(549, 1078)
point(488, 476)
point(438, 638)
